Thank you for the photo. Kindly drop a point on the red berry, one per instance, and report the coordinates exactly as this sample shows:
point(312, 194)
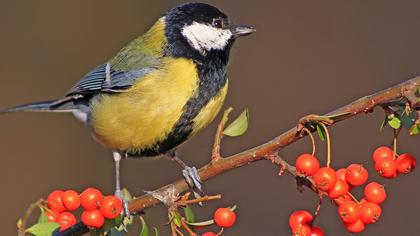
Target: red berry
point(382, 152)
point(339, 189)
point(341, 174)
point(363, 200)
point(406, 163)
point(224, 217)
point(110, 207)
point(325, 178)
point(355, 227)
point(356, 174)
point(317, 231)
point(66, 220)
point(307, 164)
point(349, 211)
point(370, 212)
point(54, 201)
point(93, 218)
point(375, 192)
point(299, 218)
point(209, 234)
point(342, 199)
point(70, 199)
point(386, 167)
point(90, 198)
point(302, 230)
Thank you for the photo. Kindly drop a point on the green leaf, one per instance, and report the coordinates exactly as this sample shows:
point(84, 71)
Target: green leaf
point(156, 231)
point(177, 220)
point(203, 223)
point(126, 221)
point(321, 132)
point(43, 229)
point(42, 217)
point(126, 194)
point(394, 121)
point(189, 214)
point(407, 121)
point(415, 129)
point(238, 126)
point(144, 229)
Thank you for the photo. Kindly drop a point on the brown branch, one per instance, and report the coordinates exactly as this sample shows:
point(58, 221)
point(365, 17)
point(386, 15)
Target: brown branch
point(262, 152)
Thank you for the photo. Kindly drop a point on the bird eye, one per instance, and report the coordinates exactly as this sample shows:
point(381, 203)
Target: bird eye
point(218, 23)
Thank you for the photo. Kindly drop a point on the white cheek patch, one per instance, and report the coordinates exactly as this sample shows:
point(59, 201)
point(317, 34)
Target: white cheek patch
point(204, 37)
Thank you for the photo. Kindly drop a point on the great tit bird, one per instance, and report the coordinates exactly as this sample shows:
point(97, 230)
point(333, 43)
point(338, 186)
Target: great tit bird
point(159, 90)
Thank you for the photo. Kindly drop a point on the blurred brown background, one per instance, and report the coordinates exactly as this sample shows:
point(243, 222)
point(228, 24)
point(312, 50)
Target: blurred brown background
point(307, 57)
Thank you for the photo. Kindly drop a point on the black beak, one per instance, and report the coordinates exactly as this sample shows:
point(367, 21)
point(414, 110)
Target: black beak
point(242, 30)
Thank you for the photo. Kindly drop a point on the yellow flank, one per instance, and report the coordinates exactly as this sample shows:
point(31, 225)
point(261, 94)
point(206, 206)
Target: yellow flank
point(210, 111)
point(146, 113)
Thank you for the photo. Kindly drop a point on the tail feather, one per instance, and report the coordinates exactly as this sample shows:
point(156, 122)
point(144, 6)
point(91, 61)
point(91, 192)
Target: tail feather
point(44, 106)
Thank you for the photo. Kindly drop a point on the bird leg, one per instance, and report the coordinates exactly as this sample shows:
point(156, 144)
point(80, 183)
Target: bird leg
point(118, 193)
point(190, 173)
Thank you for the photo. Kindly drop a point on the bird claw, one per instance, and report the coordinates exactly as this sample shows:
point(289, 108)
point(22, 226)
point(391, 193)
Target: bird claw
point(192, 177)
point(119, 194)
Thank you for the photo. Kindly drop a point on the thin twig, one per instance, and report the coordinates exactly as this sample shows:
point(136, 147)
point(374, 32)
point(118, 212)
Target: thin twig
point(215, 154)
point(24, 220)
point(318, 208)
point(173, 229)
point(201, 199)
point(188, 229)
point(179, 232)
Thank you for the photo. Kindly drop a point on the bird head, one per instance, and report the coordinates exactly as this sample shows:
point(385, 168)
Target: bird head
point(201, 30)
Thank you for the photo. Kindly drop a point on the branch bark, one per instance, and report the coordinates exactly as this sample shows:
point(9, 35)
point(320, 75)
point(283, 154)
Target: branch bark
point(265, 151)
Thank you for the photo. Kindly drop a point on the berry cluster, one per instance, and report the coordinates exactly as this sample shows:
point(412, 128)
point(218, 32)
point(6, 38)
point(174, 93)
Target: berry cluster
point(223, 217)
point(388, 166)
point(96, 207)
point(337, 185)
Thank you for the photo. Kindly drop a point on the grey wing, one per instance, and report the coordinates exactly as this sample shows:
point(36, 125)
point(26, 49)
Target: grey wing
point(108, 80)
point(102, 79)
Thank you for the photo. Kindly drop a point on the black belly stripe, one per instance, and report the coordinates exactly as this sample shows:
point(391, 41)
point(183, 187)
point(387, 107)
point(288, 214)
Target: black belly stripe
point(212, 79)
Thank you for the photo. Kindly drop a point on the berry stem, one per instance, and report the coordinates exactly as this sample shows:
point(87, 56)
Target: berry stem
point(312, 140)
point(394, 155)
point(354, 198)
point(328, 143)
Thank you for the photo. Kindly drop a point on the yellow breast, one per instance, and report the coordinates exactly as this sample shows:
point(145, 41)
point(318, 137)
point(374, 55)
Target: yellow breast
point(210, 111)
point(146, 113)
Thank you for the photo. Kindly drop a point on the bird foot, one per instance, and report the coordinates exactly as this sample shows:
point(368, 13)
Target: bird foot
point(193, 179)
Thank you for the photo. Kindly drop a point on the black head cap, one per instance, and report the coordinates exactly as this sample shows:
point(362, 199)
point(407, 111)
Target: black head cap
point(199, 30)
point(187, 13)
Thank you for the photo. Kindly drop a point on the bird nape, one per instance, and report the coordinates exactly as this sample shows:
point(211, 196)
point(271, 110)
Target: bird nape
point(159, 90)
